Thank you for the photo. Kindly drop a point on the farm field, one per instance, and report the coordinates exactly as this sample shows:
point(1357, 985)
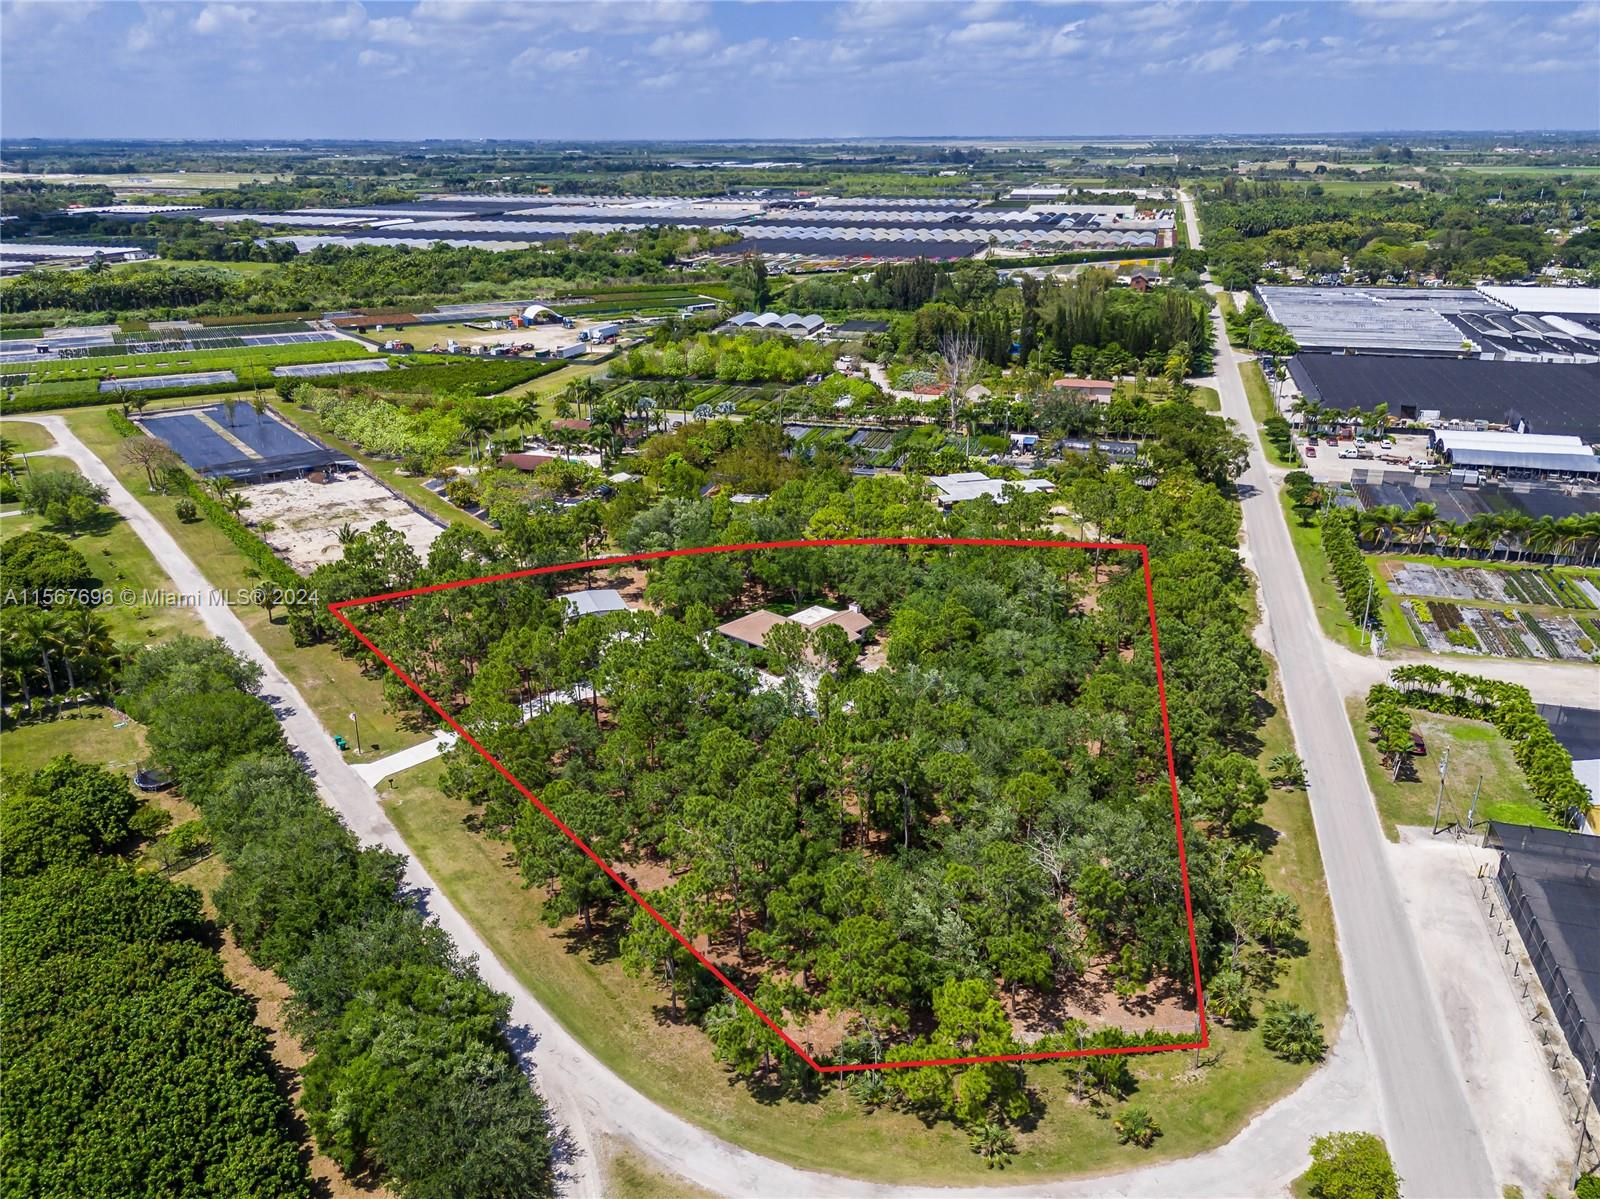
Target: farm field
point(1530, 612)
point(165, 180)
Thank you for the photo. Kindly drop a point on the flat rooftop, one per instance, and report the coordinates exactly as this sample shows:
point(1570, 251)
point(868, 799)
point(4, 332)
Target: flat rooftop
point(1551, 397)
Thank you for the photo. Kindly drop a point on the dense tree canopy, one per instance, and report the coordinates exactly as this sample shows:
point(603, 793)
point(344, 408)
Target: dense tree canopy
point(131, 1066)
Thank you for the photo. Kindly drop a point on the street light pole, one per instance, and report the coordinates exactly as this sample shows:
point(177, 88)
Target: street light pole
point(1366, 611)
point(1438, 805)
point(357, 723)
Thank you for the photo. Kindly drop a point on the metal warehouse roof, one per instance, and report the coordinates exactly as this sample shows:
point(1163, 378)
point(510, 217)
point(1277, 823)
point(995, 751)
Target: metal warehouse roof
point(1504, 439)
point(969, 485)
point(1550, 397)
point(1555, 461)
point(1579, 301)
point(595, 601)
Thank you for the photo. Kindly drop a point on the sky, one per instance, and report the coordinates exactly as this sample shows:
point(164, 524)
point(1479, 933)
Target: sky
point(554, 69)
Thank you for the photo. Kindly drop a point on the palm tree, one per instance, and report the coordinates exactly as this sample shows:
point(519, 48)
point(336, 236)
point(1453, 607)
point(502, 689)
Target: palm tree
point(1515, 526)
point(35, 629)
point(1421, 520)
point(1569, 536)
point(994, 1143)
point(18, 650)
point(1544, 536)
point(1389, 517)
point(1481, 532)
point(479, 424)
point(236, 503)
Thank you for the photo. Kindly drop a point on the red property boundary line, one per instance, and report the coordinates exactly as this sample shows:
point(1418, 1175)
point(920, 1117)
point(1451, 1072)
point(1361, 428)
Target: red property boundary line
point(337, 609)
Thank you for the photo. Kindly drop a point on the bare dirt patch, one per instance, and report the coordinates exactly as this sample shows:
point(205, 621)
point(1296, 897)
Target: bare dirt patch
point(1091, 998)
point(306, 517)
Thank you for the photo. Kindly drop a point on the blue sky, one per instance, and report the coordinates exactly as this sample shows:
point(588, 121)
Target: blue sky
point(567, 70)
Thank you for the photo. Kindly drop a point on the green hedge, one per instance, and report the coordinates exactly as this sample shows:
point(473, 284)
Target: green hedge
point(1349, 566)
point(482, 377)
point(183, 361)
point(86, 393)
point(1545, 762)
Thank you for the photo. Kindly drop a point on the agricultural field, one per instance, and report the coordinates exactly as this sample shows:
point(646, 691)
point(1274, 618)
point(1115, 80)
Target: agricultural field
point(1528, 612)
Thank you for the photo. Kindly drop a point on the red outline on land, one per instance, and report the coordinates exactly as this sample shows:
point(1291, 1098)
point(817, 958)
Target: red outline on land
point(1204, 1040)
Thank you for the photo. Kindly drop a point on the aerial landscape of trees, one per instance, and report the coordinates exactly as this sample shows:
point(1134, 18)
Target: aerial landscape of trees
point(131, 1065)
point(411, 1079)
point(924, 851)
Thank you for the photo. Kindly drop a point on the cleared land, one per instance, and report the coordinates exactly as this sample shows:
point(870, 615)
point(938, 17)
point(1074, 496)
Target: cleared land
point(308, 519)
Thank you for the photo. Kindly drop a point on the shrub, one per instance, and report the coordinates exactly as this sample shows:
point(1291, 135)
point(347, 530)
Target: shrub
point(36, 567)
point(1292, 1032)
point(1351, 1165)
point(186, 510)
point(1136, 1126)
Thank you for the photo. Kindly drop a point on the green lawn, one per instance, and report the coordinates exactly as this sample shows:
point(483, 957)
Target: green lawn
point(1294, 866)
point(25, 436)
point(622, 1020)
point(1331, 612)
point(1478, 755)
point(1207, 398)
point(90, 732)
point(1259, 393)
point(121, 562)
point(334, 686)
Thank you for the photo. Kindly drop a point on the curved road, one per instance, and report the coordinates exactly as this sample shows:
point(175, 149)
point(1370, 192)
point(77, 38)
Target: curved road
point(1430, 1127)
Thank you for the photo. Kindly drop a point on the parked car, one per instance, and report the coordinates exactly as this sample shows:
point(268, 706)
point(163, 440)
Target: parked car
point(1386, 444)
point(1311, 451)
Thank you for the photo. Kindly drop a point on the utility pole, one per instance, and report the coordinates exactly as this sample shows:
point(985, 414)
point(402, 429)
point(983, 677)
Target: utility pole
point(1366, 610)
point(1438, 805)
point(1473, 810)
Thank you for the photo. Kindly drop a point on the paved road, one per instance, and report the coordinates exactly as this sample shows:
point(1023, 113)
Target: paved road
point(587, 1098)
point(1432, 1133)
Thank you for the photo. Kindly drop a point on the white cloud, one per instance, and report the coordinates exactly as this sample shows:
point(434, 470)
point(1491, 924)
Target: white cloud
point(1284, 18)
point(685, 44)
point(1065, 41)
point(566, 60)
point(987, 32)
point(1219, 58)
point(231, 19)
point(865, 16)
point(376, 58)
